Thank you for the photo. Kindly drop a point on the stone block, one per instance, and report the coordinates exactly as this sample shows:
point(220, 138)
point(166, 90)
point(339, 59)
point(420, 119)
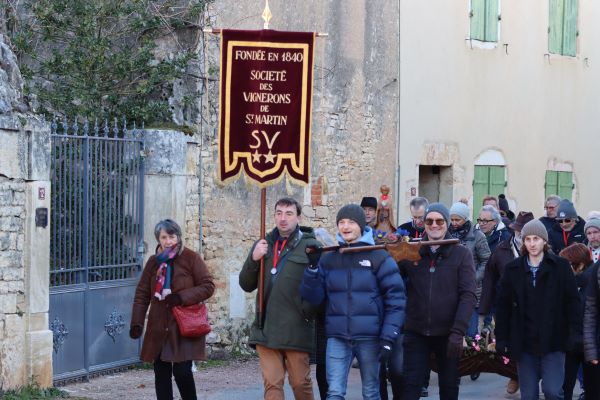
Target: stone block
point(167, 152)
point(39, 360)
point(8, 303)
point(12, 353)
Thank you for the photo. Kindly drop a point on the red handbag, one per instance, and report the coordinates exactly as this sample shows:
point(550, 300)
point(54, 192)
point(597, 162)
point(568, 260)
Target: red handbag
point(192, 320)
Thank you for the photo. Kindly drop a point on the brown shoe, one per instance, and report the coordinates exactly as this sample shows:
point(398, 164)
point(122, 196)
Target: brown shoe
point(512, 387)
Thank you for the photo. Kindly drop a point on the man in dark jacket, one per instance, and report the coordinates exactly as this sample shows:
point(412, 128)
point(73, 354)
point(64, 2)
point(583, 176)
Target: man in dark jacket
point(441, 299)
point(365, 303)
point(537, 315)
point(490, 223)
point(415, 226)
point(591, 335)
point(568, 228)
point(287, 337)
point(506, 251)
point(551, 208)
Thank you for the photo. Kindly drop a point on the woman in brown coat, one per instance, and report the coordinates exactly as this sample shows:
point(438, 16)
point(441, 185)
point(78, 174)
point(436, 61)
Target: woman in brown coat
point(174, 276)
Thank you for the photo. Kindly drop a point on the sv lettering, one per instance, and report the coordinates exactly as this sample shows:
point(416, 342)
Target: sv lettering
point(270, 142)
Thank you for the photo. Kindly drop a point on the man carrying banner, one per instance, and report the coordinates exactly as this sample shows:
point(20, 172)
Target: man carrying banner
point(287, 335)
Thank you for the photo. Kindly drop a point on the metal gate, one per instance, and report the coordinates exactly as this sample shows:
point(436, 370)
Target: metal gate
point(96, 246)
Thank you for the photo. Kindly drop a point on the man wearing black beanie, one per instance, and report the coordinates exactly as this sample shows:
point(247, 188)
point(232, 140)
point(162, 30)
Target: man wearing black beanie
point(365, 299)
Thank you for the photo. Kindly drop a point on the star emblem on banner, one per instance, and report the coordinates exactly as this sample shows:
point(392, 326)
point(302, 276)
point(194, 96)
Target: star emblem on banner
point(270, 158)
point(255, 157)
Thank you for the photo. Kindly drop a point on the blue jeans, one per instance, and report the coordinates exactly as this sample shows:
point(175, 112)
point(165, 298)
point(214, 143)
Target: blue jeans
point(474, 323)
point(340, 353)
point(549, 368)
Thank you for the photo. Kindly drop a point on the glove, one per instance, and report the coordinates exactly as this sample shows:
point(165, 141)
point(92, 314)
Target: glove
point(314, 255)
point(135, 331)
point(455, 345)
point(385, 350)
point(173, 300)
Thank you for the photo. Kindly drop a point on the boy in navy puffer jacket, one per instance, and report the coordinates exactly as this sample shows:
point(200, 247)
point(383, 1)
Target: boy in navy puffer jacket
point(365, 300)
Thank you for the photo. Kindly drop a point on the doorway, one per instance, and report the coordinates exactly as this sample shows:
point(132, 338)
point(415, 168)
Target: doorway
point(435, 183)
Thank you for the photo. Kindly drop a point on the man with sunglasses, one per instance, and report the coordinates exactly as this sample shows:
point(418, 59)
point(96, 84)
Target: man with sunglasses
point(551, 209)
point(490, 223)
point(568, 228)
point(440, 301)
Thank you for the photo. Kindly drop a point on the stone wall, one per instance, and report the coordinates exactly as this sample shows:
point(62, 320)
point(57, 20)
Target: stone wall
point(353, 136)
point(25, 341)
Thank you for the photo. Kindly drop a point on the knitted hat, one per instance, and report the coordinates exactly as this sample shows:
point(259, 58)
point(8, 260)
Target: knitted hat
point(523, 218)
point(592, 223)
point(440, 208)
point(460, 209)
point(353, 212)
point(535, 227)
point(369, 202)
point(503, 203)
point(566, 209)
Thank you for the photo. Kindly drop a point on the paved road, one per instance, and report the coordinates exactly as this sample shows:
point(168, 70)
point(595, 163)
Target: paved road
point(242, 381)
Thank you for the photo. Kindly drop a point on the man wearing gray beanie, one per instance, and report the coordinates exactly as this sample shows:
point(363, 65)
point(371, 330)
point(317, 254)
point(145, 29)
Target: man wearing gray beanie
point(441, 300)
point(537, 314)
point(568, 228)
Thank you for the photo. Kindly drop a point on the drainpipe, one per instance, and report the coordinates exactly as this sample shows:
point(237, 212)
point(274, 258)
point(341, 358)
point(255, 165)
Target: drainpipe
point(398, 158)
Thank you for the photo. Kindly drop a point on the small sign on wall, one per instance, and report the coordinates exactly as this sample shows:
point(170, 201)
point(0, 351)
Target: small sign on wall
point(41, 193)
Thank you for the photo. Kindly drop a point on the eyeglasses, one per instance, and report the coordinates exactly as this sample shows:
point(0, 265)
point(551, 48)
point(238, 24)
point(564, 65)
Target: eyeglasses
point(418, 218)
point(438, 222)
point(484, 221)
point(564, 220)
point(550, 207)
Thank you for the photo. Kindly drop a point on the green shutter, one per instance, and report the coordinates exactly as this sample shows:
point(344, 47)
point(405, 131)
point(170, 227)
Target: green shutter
point(487, 180)
point(555, 33)
point(481, 184)
point(569, 42)
point(551, 187)
point(478, 19)
point(491, 21)
point(497, 181)
point(565, 185)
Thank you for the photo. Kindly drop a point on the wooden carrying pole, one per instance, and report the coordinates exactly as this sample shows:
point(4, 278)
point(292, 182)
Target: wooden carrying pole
point(261, 274)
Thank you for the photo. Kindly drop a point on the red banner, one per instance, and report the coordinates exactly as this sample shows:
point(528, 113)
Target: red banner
point(265, 104)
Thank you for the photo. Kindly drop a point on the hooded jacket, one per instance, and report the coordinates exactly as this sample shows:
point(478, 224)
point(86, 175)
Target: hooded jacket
point(363, 291)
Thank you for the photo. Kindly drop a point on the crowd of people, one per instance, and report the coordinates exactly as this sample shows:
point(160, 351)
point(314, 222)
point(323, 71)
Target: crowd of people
point(533, 284)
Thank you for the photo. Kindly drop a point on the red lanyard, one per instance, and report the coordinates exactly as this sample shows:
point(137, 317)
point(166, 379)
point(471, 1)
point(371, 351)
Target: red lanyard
point(277, 251)
point(417, 234)
point(566, 237)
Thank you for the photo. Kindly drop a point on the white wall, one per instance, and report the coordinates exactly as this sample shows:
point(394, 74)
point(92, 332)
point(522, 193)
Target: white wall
point(534, 108)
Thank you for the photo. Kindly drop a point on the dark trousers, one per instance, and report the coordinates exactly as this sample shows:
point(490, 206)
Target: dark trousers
point(388, 374)
point(417, 353)
point(322, 380)
point(591, 381)
point(572, 363)
point(182, 371)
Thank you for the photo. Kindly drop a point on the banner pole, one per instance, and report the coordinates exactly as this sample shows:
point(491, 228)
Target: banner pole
point(261, 275)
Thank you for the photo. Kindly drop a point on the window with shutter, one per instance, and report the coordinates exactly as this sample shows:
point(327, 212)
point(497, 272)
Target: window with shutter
point(562, 28)
point(484, 20)
point(487, 180)
point(559, 183)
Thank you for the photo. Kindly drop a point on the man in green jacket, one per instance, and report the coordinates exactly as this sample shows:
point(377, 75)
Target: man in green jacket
point(287, 337)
